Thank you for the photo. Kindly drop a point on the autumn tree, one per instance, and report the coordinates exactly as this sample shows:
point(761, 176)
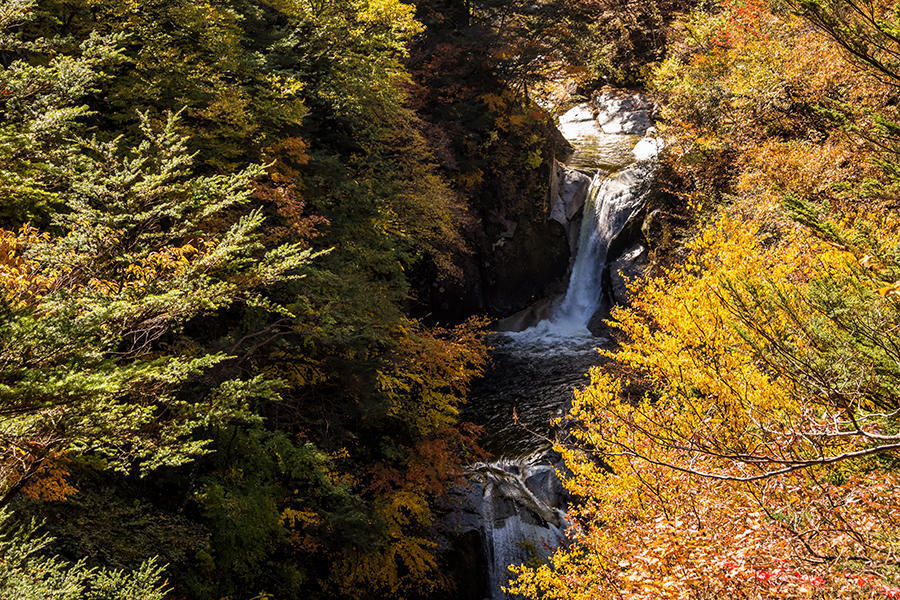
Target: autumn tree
point(156, 325)
point(137, 249)
point(745, 445)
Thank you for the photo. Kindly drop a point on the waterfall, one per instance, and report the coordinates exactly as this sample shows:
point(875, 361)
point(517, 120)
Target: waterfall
point(612, 202)
point(517, 504)
point(522, 515)
point(615, 139)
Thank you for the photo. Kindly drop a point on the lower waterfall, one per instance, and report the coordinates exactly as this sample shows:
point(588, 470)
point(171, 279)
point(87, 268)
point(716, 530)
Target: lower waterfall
point(524, 521)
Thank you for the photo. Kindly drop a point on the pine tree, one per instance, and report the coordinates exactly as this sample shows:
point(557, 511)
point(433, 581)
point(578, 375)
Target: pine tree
point(27, 573)
point(92, 359)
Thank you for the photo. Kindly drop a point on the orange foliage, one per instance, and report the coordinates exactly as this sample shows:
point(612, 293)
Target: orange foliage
point(21, 283)
point(731, 474)
point(49, 483)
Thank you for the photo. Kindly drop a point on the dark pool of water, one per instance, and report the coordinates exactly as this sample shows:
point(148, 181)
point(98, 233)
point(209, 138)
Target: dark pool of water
point(533, 380)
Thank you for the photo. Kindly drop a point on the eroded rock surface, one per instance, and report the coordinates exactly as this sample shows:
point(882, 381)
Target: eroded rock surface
point(623, 113)
point(568, 196)
point(516, 508)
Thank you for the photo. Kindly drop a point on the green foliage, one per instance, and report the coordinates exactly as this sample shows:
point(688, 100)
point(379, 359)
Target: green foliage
point(27, 573)
point(42, 94)
point(242, 500)
point(119, 523)
point(162, 323)
point(848, 319)
point(135, 262)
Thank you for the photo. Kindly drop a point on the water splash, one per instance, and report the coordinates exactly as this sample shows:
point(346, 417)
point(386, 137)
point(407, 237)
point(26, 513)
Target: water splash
point(522, 513)
point(613, 202)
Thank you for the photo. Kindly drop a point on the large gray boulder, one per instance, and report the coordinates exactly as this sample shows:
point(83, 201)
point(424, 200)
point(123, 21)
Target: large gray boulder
point(579, 122)
point(567, 196)
point(623, 113)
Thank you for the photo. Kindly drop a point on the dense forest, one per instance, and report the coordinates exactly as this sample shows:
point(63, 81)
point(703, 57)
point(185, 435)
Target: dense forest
point(252, 252)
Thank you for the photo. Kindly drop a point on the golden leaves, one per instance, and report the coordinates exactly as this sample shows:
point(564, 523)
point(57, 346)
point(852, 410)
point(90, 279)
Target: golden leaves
point(168, 262)
point(650, 528)
point(50, 483)
point(21, 280)
point(743, 372)
point(892, 289)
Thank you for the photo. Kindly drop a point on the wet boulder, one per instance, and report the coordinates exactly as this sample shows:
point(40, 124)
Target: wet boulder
point(546, 487)
point(568, 194)
point(628, 267)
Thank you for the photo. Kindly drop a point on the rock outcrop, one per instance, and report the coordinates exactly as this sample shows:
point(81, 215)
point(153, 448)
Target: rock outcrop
point(568, 193)
point(516, 508)
point(623, 113)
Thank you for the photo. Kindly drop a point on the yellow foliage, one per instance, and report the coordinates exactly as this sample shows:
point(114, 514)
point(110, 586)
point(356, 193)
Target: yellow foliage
point(49, 484)
point(21, 281)
point(429, 373)
point(398, 15)
point(650, 526)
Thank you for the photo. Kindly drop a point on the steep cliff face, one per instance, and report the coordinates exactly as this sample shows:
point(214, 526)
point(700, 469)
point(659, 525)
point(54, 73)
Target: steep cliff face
point(596, 205)
point(524, 253)
point(519, 247)
point(528, 222)
point(568, 193)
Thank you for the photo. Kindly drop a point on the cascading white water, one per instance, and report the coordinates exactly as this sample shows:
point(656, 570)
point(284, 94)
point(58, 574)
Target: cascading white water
point(582, 296)
point(619, 139)
point(522, 515)
point(612, 202)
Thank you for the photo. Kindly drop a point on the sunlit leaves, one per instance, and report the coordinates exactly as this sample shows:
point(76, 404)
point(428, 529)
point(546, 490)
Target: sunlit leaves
point(745, 444)
point(28, 574)
point(104, 293)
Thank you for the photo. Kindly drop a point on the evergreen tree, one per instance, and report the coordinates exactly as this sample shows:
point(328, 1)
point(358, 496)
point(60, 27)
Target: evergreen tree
point(27, 573)
point(93, 307)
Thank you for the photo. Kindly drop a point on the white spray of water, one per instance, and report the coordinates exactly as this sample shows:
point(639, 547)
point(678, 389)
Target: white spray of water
point(521, 514)
point(612, 202)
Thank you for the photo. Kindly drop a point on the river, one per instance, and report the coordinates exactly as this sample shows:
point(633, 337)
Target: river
point(515, 502)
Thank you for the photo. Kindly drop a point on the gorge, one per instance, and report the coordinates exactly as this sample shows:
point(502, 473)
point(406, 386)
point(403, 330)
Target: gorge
point(298, 299)
point(515, 503)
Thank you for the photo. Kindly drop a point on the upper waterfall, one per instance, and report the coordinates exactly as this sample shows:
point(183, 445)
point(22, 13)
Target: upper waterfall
point(612, 202)
point(614, 139)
